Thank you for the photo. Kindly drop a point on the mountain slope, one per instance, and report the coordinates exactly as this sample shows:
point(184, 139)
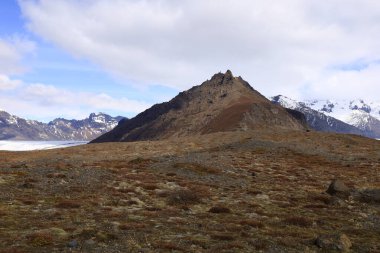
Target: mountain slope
point(224, 103)
point(15, 128)
point(359, 113)
point(317, 120)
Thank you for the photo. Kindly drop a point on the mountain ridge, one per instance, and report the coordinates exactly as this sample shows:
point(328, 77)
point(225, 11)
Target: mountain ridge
point(324, 115)
point(15, 128)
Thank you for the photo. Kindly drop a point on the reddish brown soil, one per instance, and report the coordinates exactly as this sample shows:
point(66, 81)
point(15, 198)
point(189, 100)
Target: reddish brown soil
point(253, 191)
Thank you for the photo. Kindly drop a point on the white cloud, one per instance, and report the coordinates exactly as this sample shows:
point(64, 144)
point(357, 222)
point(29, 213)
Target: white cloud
point(349, 84)
point(280, 47)
point(7, 84)
point(12, 50)
point(46, 102)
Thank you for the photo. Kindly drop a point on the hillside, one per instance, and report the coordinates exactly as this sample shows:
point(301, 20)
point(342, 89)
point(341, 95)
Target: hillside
point(223, 103)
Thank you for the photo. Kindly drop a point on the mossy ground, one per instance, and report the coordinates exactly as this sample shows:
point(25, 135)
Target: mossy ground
point(225, 192)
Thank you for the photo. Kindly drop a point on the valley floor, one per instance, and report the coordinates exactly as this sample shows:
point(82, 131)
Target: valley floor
point(227, 192)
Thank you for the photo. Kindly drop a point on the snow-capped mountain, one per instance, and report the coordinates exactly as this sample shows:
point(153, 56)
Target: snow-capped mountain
point(16, 128)
point(359, 113)
point(343, 116)
point(315, 119)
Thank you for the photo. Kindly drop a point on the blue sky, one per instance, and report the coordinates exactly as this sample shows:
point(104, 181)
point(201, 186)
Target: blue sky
point(47, 64)
point(68, 58)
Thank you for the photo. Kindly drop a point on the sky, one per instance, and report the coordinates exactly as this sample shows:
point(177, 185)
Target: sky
point(68, 58)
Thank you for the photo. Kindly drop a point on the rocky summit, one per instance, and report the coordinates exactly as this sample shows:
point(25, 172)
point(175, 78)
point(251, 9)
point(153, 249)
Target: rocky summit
point(223, 103)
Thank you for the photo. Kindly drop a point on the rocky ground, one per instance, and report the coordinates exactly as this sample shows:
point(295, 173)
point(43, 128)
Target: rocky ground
point(225, 192)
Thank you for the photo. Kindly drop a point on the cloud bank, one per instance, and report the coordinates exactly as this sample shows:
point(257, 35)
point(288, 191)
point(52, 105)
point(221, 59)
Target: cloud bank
point(45, 102)
point(291, 47)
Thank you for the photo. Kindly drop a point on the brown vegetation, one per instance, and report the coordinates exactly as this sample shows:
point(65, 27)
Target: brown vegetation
point(191, 195)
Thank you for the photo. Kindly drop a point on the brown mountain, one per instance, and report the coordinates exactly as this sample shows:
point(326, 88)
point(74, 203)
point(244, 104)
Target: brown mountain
point(224, 103)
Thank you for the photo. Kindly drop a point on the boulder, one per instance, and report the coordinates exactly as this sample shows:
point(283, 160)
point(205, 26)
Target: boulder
point(339, 242)
point(338, 188)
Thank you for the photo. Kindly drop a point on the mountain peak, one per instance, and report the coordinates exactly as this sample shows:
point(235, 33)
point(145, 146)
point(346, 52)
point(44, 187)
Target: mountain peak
point(221, 78)
point(228, 74)
point(224, 103)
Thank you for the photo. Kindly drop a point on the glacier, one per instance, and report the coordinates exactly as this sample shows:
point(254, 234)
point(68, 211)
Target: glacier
point(37, 145)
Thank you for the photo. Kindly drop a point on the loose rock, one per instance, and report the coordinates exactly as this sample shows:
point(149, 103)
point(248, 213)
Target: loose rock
point(73, 244)
point(88, 244)
point(339, 242)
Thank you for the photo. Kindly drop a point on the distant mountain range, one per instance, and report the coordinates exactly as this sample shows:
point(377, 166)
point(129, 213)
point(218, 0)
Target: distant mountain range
point(16, 128)
point(341, 116)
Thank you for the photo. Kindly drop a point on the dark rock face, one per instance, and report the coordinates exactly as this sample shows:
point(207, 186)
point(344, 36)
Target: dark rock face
point(224, 103)
point(361, 107)
point(299, 116)
point(15, 128)
point(328, 107)
point(371, 196)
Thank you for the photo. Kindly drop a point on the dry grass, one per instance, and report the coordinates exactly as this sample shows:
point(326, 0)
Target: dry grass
point(252, 223)
point(298, 221)
point(223, 236)
point(38, 239)
point(168, 246)
point(132, 226)
point(68, 204)
point(183, 197)
point(197, 168)
point(129, 197)
point(219, 209)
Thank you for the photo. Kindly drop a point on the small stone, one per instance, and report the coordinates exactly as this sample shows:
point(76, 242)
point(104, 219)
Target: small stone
point(73, 244)
point(339, 242)
point(88, 244)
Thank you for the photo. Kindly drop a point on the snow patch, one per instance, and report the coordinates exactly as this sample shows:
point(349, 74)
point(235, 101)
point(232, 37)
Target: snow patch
point(12, 120)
